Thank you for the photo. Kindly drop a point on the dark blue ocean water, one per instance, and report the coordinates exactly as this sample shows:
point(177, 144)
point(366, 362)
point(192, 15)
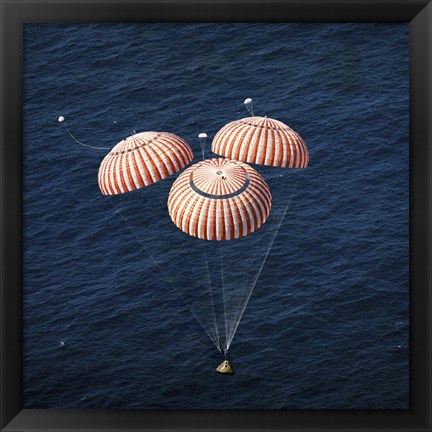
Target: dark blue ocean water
point(327, 323)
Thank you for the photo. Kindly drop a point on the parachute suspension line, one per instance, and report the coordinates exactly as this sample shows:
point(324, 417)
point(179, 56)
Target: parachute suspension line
point(235, 290)
point(167, 280)
point(211, 297)
point(202, 138)
point(86, 145)
point(266, 243)
point(276, 218)
point(212, 331)
point(224, 295)
point(228, 293)
point(255, 279)
point(61, 119)
point(206, 305)
point(249, 106)
point(262, 241)
point(192, 307)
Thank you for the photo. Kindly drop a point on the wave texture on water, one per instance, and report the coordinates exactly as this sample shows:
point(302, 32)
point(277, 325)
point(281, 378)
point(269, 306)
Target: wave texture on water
point(327, 323)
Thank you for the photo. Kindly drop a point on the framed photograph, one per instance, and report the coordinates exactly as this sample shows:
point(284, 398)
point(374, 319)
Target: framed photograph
point(216, 216)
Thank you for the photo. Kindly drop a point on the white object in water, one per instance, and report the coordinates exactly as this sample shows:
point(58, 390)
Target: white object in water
point(62, 343)
point(202, 135)
point(247, 101)
point(61, 119)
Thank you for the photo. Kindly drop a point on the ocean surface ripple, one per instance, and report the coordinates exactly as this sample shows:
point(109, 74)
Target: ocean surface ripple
point(327, 324)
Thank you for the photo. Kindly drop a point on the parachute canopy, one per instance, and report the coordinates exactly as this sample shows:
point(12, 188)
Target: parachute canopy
point(219, 199)
point(262, 141)
point(142, 159)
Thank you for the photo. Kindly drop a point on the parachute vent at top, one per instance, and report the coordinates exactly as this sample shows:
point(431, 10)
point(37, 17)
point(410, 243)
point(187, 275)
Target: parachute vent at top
point(142, 159)
point(219, 199)
point(262, 141)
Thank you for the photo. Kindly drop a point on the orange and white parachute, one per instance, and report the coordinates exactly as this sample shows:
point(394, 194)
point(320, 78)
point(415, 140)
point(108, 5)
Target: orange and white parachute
point(142, 159)
point(219, 199)
point(262, 141)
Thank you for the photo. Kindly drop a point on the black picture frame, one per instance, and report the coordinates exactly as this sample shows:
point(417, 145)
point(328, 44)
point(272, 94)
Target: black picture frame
point(14, 13)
